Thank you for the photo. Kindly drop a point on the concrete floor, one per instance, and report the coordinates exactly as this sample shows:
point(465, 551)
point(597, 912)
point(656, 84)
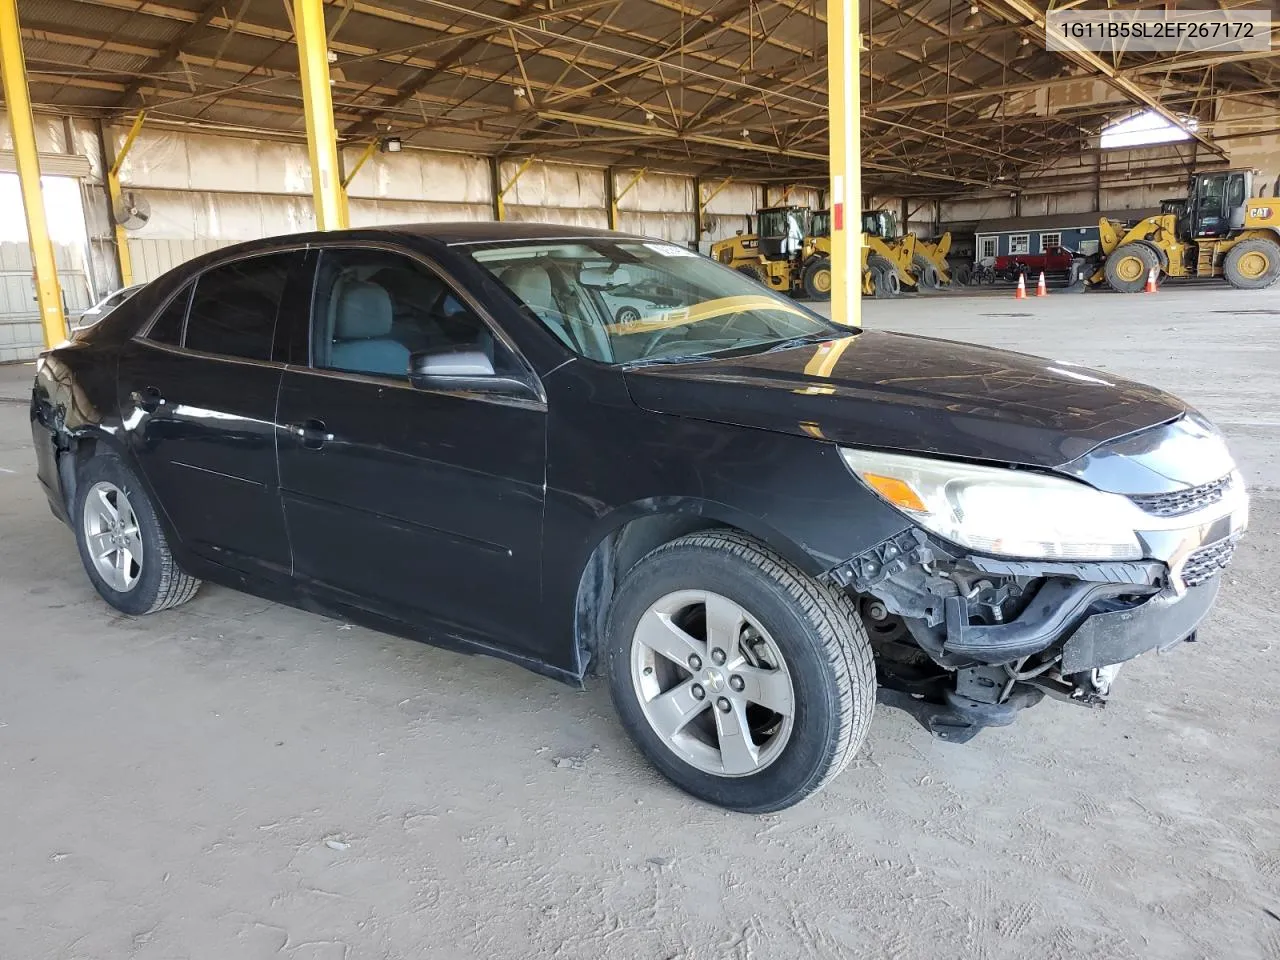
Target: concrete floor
point(236, 779)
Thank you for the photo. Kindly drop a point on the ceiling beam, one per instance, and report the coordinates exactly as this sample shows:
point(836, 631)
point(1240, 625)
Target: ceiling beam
point(1091, 61)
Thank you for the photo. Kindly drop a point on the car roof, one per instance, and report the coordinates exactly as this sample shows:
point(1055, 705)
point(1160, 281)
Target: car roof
point(457, 233)
point(491, 231)
point(452, 234)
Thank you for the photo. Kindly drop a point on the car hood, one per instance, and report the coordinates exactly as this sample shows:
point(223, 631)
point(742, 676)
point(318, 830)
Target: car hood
point(918, 394)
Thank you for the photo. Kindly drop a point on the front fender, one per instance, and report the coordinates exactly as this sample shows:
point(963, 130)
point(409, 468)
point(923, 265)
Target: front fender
point(700, 512)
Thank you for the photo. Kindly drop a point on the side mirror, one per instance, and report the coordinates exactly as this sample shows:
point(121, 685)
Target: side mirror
point(470, 371)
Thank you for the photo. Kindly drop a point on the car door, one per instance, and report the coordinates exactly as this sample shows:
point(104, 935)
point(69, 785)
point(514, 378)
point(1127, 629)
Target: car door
point(198, 397)
point(406, 501)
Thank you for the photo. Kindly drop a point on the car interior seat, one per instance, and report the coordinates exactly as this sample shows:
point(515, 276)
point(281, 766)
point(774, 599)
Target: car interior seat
point(531, 283)
point(361, 317)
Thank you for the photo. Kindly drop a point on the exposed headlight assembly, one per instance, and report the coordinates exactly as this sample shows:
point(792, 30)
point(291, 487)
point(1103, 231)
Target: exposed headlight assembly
point(995, 510)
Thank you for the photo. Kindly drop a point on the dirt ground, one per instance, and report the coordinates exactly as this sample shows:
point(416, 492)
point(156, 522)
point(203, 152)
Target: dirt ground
point(236, 779)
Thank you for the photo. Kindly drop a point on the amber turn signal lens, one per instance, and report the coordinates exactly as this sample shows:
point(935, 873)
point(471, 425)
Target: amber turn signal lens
point(896, 491)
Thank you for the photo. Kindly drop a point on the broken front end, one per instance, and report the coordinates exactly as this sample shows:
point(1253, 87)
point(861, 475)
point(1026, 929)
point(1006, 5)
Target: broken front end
point(961, 618)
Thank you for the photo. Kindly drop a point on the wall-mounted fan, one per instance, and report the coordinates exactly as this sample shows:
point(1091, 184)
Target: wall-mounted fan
point(133, 211)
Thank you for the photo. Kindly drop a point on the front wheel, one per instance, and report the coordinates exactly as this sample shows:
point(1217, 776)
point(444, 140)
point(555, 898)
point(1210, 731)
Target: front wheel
point(816, 279)
point(122, 545)
point(1128, 267)
point(885, 282)
point(926, 273)
point(745, 682)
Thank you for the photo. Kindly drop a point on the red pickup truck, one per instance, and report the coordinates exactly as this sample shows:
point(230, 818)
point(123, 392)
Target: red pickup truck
point(1052, 260)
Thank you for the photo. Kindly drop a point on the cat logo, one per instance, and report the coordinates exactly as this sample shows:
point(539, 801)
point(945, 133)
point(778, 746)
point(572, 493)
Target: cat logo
point(1260, 213)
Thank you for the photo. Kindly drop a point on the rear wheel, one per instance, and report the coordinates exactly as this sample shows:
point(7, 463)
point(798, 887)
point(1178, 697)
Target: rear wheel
point(1128, 266)
point(745, 682)
point(817, 279)
point(122, 546)
point(1252, 264)
point(925, 272)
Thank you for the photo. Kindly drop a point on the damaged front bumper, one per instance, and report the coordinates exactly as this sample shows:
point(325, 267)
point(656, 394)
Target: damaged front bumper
point(986, 636)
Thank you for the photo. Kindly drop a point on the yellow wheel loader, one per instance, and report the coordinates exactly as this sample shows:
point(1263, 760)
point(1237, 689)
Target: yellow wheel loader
point(790, 251)
point(886, 259)
point(775, 252)
point(1220, 230)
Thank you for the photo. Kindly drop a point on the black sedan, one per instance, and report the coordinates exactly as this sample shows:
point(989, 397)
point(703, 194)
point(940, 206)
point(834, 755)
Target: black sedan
point(574, 448)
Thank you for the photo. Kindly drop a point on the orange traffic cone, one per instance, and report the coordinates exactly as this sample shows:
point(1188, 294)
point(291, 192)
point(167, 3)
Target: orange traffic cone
point(1041, 289)
point(1151, 281)
point(1021, 292)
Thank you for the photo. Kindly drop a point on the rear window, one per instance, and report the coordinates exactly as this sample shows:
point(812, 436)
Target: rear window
point(169, 323)
point(233, 311)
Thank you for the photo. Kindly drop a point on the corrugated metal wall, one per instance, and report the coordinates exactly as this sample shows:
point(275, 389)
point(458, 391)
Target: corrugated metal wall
point(21, 336)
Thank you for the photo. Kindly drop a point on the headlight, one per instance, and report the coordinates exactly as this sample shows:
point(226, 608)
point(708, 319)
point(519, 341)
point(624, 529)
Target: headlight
point(999, 511)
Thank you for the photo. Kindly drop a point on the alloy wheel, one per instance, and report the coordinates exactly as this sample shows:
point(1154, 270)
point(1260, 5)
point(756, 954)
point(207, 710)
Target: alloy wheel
point(112, 536)
point(712, 683)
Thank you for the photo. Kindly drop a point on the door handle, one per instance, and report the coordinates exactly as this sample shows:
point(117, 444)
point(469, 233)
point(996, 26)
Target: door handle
point(149, 399)
point(312, 433)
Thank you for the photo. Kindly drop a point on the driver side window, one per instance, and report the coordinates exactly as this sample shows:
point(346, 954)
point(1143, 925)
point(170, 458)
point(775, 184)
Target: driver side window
point(374, 309)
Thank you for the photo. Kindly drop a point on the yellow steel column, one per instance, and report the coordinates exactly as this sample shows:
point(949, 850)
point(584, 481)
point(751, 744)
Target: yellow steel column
point(499, 206)
point(317, 102)
point(619, 194)
point(114, 194)
point(844, 91)
point(18, 103)
point(348, 176)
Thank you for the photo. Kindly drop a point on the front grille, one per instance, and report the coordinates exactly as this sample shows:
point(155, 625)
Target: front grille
point(1207, 561)
point(1183, 501)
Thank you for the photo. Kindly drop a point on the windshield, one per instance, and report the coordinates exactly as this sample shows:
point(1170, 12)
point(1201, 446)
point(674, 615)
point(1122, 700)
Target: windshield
point(880, 223)
point(788, 222)
point(820, 224)
point(630, 300)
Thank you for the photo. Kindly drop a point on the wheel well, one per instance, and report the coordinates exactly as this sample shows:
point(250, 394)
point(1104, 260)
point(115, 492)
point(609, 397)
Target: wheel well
point(1161, 255)
point(610, 562)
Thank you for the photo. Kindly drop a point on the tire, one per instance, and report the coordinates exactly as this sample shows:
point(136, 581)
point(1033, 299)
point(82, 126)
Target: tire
point(816, 278)
point(1252, 264)
point(753, 271)
point(886, 281)
point(925, 272)
point(813, 632)
point(963, 275)
point(626, 315)
point(1128, 265)
point(147, 584)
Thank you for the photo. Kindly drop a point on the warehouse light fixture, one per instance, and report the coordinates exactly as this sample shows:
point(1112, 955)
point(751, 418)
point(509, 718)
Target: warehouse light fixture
point(391, 145)
point(974, 20)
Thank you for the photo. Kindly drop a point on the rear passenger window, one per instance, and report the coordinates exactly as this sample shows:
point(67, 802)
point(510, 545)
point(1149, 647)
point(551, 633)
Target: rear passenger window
point(233, 311)
point(168, 325)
